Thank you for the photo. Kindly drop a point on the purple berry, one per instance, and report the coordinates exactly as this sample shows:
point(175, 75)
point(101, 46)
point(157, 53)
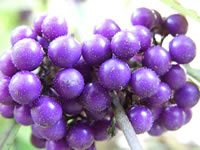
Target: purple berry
point(64, 51)
point(69, 83)
point(143, 16)
point(38, 23)
point(22, 32)
point(57, 145)
point(72, 107)
point(7, 110)
point(158, 59)
point(162, 95)
point(6, 65)
point(98, 115)
point(143, 34)
point(5, 97)
point(114, 74)
point(46, 112)
point(145, 82)
point(37, 142)
point(141, 118)
point(172, 117)
point(157, 129)
point(182, 49)
point(187, 96)
point(125, 44)
point(35, 131)
point(100, 129)
point(176, 24)
point(43, 42)
point(95, 98)
point(175, 77)
point(187, 115)
point(53, 27)
point(55, 132)
point(22, 115)
point(80, 136)
point(155, 110)
point(108, 28)
point(27, 54)
point(96, 50)
point(158, 18)
point(25, 87)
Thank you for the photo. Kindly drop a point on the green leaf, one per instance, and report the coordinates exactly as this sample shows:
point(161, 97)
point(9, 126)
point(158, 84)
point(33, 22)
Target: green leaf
point(182, 10)
point(8, 138)
point(195, 73)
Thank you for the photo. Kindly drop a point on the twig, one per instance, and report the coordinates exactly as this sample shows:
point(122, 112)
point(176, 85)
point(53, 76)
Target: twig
point(125, 124)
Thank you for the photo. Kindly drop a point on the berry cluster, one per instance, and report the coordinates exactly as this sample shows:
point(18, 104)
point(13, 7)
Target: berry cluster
point(64, 89)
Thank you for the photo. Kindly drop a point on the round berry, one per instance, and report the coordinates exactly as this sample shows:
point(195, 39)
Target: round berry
point(38, 23)
point(72, 107)
point(69, 83)
point(141, 118)
point(37, 142)
point(95, 98)
point(187, 96)
point(155, 110)
point(22, 32)
point(158, 59)
point(7, 110)
point(43, 42)
point(64, 51)
point(176, 24)
point(157, 129)
point(182, 52)
point(114, 74)
point(96, 50)
point(172, 117)
point(27, 54)
point(125, 44)
point(187, 115)
point(80, 136)
point(25, 87)
point(22, 115)
point(98, 115)
point(108, 28)
point(158, 18)
point(35, 131)
point(57, 145)
point(175, 77)
point(54, 26)
point(143, 16)
point(46, 112)
point(6, 65)
point(144, 82)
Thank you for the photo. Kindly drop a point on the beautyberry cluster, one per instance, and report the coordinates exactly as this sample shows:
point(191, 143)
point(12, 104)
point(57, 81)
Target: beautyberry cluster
point(64, 89)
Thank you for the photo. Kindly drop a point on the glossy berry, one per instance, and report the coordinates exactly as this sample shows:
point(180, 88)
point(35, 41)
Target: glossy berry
point(37, 142)
point(144, 82)
point(143, 16)
point(57, 145)
point(46, 111)
point(187, 115)
point(53, 27)
point(108, 28)
point(176, 24)
point(100, 129)
point(96, 50)
point(35, 131)
point(157, 129)
point(162, 95)
point(55, 132)
point(64, 51)
point(187, 96)
point(72, 106)
point(182, 52)
point(5, 97)
point(37, 23)
point(172, 117)
point(141, 118)
point(175, 77)
point(22, 32)
point(27, 54)
point(6, 65)
point(7, 110)
point(22, 115)
point(43, 42)
point(125, 44)
point(158, 59)
point(143, 34)
point(158, 18)
point(155, 110)
point(25, 87)
point(95, 98)
point(80, 136)
point(114, 74)
point(98, 115)
point(69, 83)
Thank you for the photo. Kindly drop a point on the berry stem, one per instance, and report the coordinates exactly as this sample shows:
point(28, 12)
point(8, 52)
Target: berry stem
point(125, 124)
